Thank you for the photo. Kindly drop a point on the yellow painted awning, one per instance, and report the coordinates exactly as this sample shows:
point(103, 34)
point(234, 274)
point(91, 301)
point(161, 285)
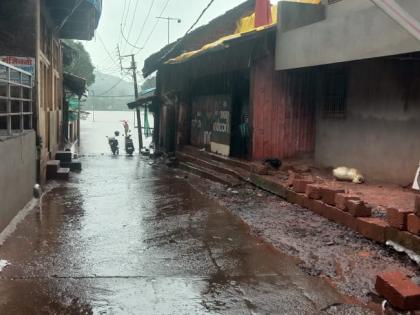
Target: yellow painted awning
point(244, 26)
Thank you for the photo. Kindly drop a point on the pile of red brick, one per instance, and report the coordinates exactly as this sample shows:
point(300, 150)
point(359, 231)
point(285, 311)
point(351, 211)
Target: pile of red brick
point(399, 290)
point(333, 203)
point(406, 219)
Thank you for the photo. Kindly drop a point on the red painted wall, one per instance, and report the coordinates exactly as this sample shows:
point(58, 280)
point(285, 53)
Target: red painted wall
point(283, 111)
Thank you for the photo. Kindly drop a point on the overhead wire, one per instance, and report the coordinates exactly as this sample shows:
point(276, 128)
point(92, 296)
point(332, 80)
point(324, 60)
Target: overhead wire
point(188, 31)
point(144, 25)
point(134, 17)
point(126, 38)
point(111, 88)
point(107, 51)
point(154, 26)
point(122, 19)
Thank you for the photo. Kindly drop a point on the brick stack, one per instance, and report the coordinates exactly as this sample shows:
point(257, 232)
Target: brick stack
point(399, 290)
point(405, 219)
point(338, 206)
point(413, 219)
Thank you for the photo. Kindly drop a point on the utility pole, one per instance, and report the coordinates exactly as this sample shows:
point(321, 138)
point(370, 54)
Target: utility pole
point(169, 19)
point(136, 93)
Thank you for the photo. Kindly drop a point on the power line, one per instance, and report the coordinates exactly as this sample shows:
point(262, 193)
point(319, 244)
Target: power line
point(111, 88)
point(128, 42)
point(122, 19)
point(126, 16)
point(144, 25)
point(154, 26)
point(134, 17)
point(107, 51)
point(189, 30)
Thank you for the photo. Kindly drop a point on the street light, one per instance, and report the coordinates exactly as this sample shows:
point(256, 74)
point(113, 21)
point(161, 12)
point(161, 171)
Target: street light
point(169, 19)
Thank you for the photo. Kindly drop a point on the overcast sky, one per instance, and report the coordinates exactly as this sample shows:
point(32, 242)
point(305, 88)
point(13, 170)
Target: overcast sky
point(133, 15)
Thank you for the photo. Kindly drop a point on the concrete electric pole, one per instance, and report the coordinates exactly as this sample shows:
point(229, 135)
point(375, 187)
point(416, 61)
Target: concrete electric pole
point(136, 93)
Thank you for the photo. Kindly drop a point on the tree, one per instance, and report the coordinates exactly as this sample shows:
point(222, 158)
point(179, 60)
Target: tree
point(77, 61)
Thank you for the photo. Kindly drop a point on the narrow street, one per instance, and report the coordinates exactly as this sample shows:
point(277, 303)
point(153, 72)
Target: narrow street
point(129, 237)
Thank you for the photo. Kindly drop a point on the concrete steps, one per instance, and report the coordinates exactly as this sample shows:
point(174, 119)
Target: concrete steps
point(74, 165)
point(210, 174)
point(60, 168)
point(209, 163)
point(64, 156)
point(55, 171)
point(63, 173)
point(231, 162)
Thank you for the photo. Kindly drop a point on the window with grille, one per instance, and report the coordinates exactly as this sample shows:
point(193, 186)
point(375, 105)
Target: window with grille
point(15, 100)
point(335, 82)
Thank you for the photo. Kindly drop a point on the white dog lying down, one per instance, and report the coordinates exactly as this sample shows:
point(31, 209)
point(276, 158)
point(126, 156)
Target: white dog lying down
point(348, 174)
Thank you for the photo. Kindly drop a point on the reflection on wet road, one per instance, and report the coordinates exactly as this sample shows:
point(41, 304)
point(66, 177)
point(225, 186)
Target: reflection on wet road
point(126, 237)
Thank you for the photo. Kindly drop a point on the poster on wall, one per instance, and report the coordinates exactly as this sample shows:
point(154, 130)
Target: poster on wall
point(211, 122)
point(221, 129)
point(25, 63)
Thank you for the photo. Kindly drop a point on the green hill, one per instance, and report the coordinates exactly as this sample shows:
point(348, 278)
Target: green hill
point(109, 93)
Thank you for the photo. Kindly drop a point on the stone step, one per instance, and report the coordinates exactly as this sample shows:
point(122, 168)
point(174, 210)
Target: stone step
point(233, 162)
point(209, 174)
point(52, 168)
point(64, 156)
point(63, 173)
point(74, 165)
point(213, 165)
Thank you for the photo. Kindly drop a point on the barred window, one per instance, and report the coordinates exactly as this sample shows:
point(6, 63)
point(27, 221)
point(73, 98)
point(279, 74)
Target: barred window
point(335, 92)
point(15, 100)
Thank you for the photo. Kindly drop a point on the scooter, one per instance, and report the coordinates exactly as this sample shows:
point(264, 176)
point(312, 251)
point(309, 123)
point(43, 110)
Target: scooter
point(113, 143)
point(129, 145)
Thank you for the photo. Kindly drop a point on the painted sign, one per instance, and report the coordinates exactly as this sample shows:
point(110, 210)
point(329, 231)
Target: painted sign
point(25, 63)
point(211, 122)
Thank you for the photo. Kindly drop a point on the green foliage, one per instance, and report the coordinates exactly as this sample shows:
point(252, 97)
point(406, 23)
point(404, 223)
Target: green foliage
point(80, 63)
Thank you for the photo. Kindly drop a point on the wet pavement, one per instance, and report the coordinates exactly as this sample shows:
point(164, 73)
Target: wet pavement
point(127, 236)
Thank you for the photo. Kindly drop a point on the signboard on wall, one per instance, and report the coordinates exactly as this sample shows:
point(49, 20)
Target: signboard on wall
point(27, 64)
point(211, 122)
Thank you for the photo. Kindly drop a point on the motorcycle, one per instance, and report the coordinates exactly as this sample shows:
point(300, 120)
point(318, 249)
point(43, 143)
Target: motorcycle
point(129, 145)
point(113, 144)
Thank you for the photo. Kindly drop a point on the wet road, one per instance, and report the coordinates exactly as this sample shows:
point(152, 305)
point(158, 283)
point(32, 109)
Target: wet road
point(126, 237)
point(129, 237)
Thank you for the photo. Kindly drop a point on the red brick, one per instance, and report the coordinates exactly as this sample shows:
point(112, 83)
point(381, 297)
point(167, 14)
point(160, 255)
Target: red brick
point(291, 196)
point(336, 215)
point(300, 200)
point(313, 191)
point(299, 185)
point(399, 290)
point(413, 224)
point(318, 207)
point(358, 208)
point(397, 218)
point(328, 194)
point(417, 206)
point(372, 228)
point(341, 200)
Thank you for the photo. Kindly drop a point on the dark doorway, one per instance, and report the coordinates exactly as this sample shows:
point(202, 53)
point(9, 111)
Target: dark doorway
point(240, 136)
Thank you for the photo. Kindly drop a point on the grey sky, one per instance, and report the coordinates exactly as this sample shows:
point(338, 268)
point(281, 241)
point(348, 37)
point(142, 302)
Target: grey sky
point(112, 16)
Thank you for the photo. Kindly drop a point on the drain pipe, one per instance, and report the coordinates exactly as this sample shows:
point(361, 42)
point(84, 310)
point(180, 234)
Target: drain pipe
point(400, 15)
